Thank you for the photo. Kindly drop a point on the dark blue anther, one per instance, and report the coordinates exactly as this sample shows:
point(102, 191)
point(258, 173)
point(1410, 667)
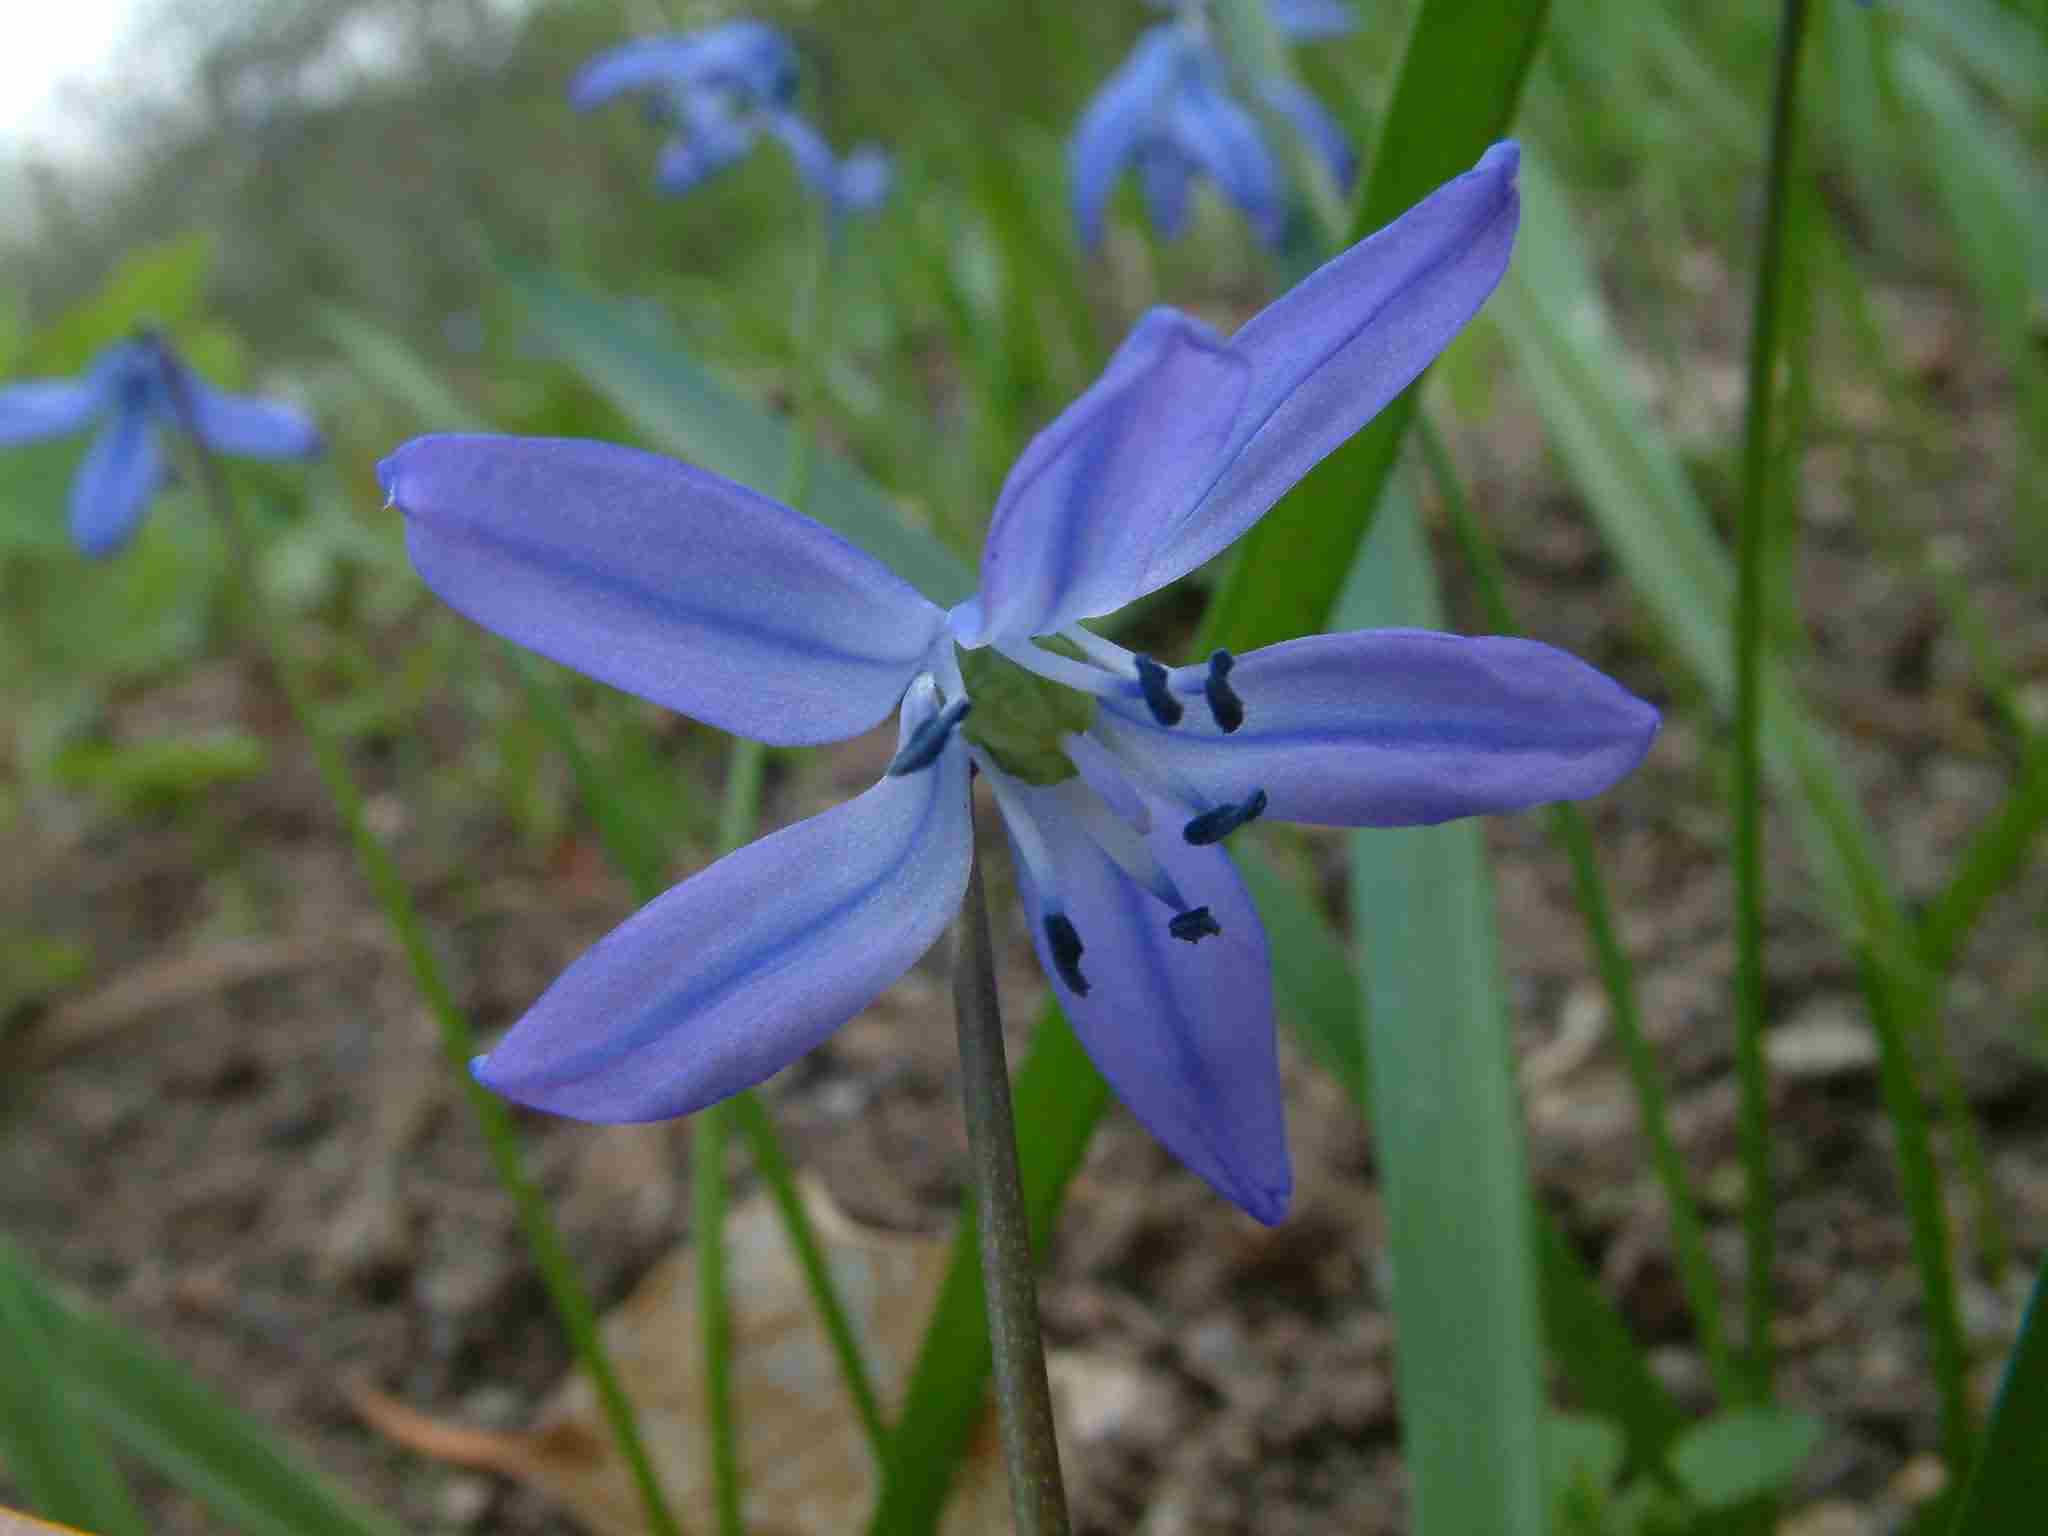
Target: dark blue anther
point(1194, 925)
point(928, 740)
point(1066, 952)
point(1224, 705)
point(1152, 680)
point(1214, 826)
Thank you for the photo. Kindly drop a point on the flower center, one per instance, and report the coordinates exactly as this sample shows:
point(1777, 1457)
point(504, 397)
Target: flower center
point(1020, 717)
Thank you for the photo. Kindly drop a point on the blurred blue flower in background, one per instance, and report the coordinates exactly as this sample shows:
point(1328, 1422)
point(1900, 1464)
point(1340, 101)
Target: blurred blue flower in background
point(1117, 778)
point(1169, 113)
point(721, 88)
point(129, 388)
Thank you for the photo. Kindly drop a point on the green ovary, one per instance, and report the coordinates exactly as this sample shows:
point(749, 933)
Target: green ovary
point(1019, 717)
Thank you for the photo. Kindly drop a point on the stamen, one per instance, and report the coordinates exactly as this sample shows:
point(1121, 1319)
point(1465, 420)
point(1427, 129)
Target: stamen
point(1152, 678)
point(928, 739)
point(1194, 925)
point(1225, 707)
point(1214, 826)
point(1065, 944)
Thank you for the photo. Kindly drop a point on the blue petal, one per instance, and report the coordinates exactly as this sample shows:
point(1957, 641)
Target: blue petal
point(664, 580)
point(1183, 1032)
point(1312, 120)
point(1166, 179)
point(814, 159)
point(1395, 728)
point(747, 56)
point(1332, 351)
point(714, 142)
point(1082, 508)
point(246, 427)
point(1305, 20)
point(865, 176)
point(1123, 114)
point(741, 969)
point(1223, 139)
point(120, 473)
point(48, 408)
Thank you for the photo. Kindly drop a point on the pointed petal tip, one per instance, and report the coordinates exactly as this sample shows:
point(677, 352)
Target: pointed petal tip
point(1265, 1205)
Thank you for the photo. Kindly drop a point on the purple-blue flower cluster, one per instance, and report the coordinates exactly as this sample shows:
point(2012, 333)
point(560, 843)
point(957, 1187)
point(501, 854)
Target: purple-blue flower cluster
point(1117, 777)
point(129, 390)
point(720, 89)
point(1169, 115)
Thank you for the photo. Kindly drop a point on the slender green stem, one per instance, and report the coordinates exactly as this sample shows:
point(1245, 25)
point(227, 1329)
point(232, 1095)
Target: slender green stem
point(458, 1041)
point(1920, 1183)
point(1568, 825)
point(810, 1257)
point(1038, 1500)
point(1752, 549)
point(714, 1314)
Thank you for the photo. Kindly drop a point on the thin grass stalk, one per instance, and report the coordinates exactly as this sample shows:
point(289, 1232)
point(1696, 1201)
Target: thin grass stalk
point(458, 1040)
point(739, 818)
point(1920, 1183)
point(1617, 975)
point(645, 874)
point(1038, 1501)
point(1752, 550)
point(714, 1313)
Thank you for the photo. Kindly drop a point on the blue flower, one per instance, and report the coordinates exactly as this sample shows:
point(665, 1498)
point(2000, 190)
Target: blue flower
point(721, 88)
point(1168, 113)
point(1117, 777)
point(128, 389)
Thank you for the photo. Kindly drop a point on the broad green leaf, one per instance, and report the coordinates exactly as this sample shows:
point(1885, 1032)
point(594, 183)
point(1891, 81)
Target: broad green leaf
point(1446, 1129)
point(194, 1437)
point(2009, 1483)
point(642, 368)
point(1736, 1456)
point(55, 1457)
point(1454, 96)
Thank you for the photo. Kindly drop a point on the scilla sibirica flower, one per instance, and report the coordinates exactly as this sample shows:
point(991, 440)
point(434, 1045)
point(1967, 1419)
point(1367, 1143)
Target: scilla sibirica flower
point(721, 88)
point(1169, 113)
point(1117, 777)
point(128, 390)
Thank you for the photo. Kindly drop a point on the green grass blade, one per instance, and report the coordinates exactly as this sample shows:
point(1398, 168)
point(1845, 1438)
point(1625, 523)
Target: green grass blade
point(557, 1270)
point(2008, 1484)
point(1617, 975)
point(1059, 1097)
point(1920, 1183)
point(1319, 997)
point(1451, 100)
point(1447, 1131)
point(1753, 544)
point(1997, 854)
point(397, 371)
point(1996, 199)
point(714, 1311)
point(679, 408)
point(195, 1438)
point(1609, 1373)
point(54, 1456)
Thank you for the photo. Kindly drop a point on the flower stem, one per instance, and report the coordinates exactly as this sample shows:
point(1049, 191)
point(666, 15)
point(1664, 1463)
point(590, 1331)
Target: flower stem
point(1752, 543)
point(1038, 1500)
point(458, 1041)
